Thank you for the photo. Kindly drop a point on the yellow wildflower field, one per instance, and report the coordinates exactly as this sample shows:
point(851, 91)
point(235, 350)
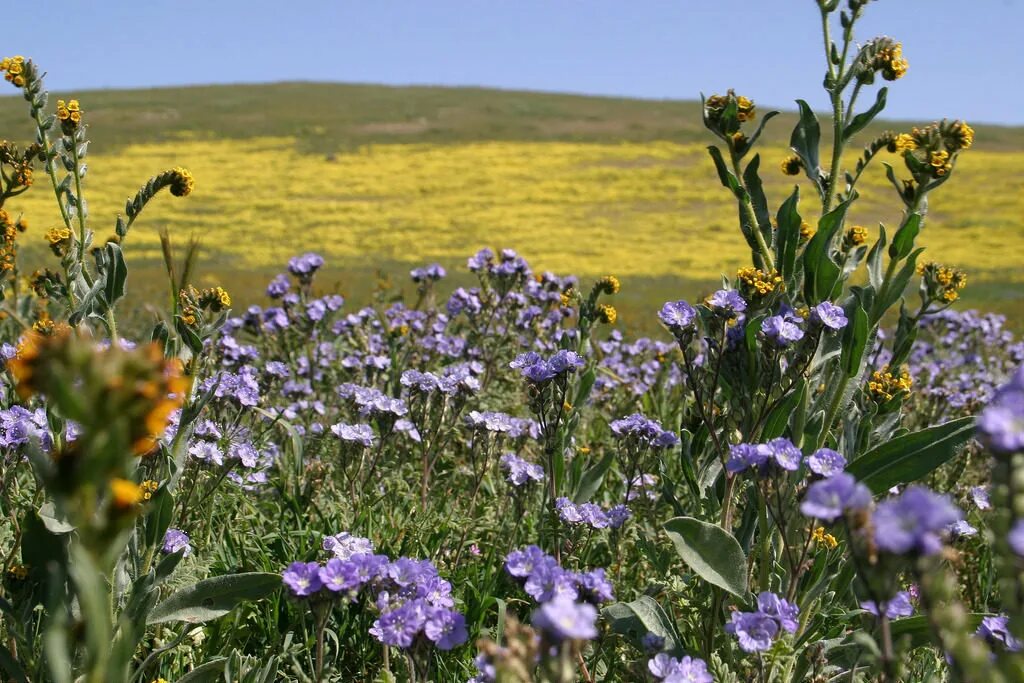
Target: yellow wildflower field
point(632, 208)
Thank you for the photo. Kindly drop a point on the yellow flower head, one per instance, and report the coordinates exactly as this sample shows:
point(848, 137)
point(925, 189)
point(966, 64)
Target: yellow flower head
point(855, 236)
point(792, 165)
point(125, 494)
point(807, 231)
point(609, 284)
point(755, 282)
point(963, 135)
point(904, 142)
point(607, 314)
point(182, 182)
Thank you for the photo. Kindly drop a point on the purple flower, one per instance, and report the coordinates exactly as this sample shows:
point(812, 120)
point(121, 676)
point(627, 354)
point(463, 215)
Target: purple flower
point(618, 515)
point(361, 434)
point(521, 471)
point(445, 628)
point(565, 361)
point(961, 528)
point(595, 588)
point(302, 578)
point(979, 494)
point(780, 610)
point(746, 455)
point(279, 286)
point(344, 546)
point(996, 631)
point(538, 373)
point(678, 317)
point(525, 360)
point(175, 540)
point(685, 670)
point(548, 581)
point(565, 619)
point(480, 260)
point(338, 575)
point(898, 606)
point(521, 563)
point(785, 454)
point(304, 266)
point(754, 630)
point(829, 315)
point(432, 272)
point(781, 330)
point(727, 303)
point(400, 626)
point(828, 499)
point(913, 521)
point(1001, 423)
point(826, 462)
point(643, 431)
point(1016, 537)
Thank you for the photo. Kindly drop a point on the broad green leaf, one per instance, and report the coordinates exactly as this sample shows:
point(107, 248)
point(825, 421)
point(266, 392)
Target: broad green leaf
point(640, 617)
point(875, 259)
point(207, 672)
point(820, 271)
point(214, 597)
point(593, 477)
point(775, 424)
point(710, 551)
point(903, 240)
point(115, 274)
point(805, 141)
point(788, 234)
point(910, 457)
point(855, 339)
point(757, 199)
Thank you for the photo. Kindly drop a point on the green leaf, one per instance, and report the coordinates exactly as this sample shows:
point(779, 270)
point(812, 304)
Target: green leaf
point(855, 339)
point(757, 198)
point(775, 424)
point(115, 274)
point(875, 274)
point(864, 118)
point(725, 175)
point(895, 290)
point(207, 672)
point(903, 240)
point(760, 127)
point(53, 521)
point(805, 141)
point(593, 477)
point(821, 272)
point(214, 597)
point(788, 235)
point(586, 384)
point(640, 617)
point(911, 457)
point(710, 551)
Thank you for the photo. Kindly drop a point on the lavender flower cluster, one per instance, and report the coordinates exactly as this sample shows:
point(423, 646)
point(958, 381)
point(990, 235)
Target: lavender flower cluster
point(412, 600)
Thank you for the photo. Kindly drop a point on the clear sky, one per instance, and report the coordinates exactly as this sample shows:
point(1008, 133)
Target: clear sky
point(966, 59)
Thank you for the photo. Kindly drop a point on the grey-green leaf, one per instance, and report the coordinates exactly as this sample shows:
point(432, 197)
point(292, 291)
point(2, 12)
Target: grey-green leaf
point(214, 597)
point(640, 617)
point(911, 457)
point(710, 551)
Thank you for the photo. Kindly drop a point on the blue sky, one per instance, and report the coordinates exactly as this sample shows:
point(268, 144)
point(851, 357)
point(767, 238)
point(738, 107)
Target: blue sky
point(965, 57)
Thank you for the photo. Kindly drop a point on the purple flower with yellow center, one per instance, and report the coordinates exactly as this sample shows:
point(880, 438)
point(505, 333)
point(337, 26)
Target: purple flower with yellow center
point(826, 462)
point(678, 316)
point(914, 521)
point(565, 619)
point(302, 578)
point(754, 630)
point(781, 330)
point(828, 315)
point(828, 499)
